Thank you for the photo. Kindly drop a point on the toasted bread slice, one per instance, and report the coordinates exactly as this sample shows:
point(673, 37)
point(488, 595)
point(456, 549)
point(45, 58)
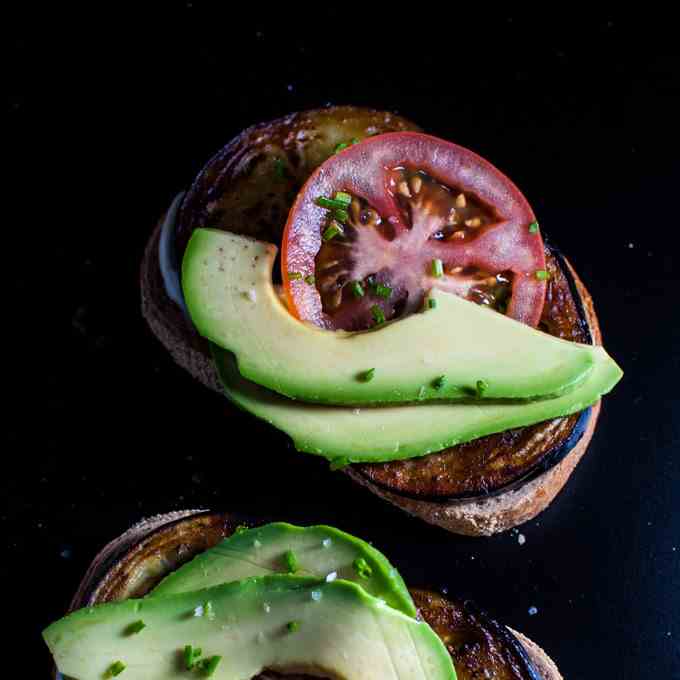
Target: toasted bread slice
point(132, 564)
point(490, 502)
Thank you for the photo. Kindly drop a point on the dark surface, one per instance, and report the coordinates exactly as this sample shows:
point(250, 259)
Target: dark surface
point(110, 116)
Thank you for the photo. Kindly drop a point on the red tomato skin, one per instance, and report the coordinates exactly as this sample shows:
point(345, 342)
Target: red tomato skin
point(364, 170)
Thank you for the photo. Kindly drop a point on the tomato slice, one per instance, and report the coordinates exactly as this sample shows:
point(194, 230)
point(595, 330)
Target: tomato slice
point(383, 222)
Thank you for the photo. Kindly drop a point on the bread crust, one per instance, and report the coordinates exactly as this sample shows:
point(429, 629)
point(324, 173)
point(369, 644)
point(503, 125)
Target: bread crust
point(542, 662)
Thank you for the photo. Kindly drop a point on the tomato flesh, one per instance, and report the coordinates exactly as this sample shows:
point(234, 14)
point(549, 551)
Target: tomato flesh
point(419, 213)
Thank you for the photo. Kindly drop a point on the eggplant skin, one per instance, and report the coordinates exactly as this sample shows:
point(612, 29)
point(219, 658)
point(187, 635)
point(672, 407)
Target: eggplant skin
point(131, 565)
point(499, 462)
point(479, 645)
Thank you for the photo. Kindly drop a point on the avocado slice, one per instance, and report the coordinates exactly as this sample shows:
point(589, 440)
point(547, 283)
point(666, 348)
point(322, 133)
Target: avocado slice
point(457, 350)
point(347, 435)
point(318, 551)
point(284, 623)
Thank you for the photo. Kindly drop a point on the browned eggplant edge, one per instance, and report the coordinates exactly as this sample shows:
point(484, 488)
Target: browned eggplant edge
point(110, 577)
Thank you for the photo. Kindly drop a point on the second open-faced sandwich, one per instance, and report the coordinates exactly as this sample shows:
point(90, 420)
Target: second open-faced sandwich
point(200, 594)
point(387, 299)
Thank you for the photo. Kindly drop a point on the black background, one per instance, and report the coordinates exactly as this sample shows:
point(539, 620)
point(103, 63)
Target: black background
point(110, 114)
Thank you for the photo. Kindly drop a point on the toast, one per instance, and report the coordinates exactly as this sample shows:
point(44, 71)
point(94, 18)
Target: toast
point(474, 506)
point(132, 564)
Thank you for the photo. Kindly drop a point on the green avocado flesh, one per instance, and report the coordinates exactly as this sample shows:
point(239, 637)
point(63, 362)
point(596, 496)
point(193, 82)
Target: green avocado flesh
point(317, 551)
point(457, 350)
point(353, 435)
point(284, 623)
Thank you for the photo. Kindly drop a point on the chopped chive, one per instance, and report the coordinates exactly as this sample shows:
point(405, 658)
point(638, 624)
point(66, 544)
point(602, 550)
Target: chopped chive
point(116, 668)
point(191, 655)
point(240, 529)
point(310, 279)
point(280, 168)
point(367, 376)
point(533, 228)
point(293, 626)
point(291, 561)
point(357, 289)
point(482, 386)
point(362, 567)
point(330, 203)
point(437, 268)
point(431, 303)
point(341, 215)
point(208, 666)
point(378, 314)
point(343, 197)
point(542, 275)
point(332, 231)
point(294, 276)
point(343, 145)
point(383, 291)
point(439, 382)
point(136, 627)
point(339, 463)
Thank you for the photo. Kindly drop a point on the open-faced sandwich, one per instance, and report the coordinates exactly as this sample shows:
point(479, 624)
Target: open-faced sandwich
point(200, 594)
point(417, 330)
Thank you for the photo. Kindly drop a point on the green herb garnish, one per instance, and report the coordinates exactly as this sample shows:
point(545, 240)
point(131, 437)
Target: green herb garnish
point(136, 627)
point(533, 228)
point(378, 314)
point(310, 279)
point(333, 230)
point(116, 668)
point(343, 145)
point(293, 626)
point(343, 197)
point(383, 291)
point(357, 289)
point(439, 382)
point(362, 567)
point(339, 463)
point(291, 561)
point(367, 376)
point(294, 276)
point(341, 215)
point(431, 303)
point(208, 666)
point(330, 203)
point(542, 275)
point(437, 268)
point(191, 655)
point(481, 387)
